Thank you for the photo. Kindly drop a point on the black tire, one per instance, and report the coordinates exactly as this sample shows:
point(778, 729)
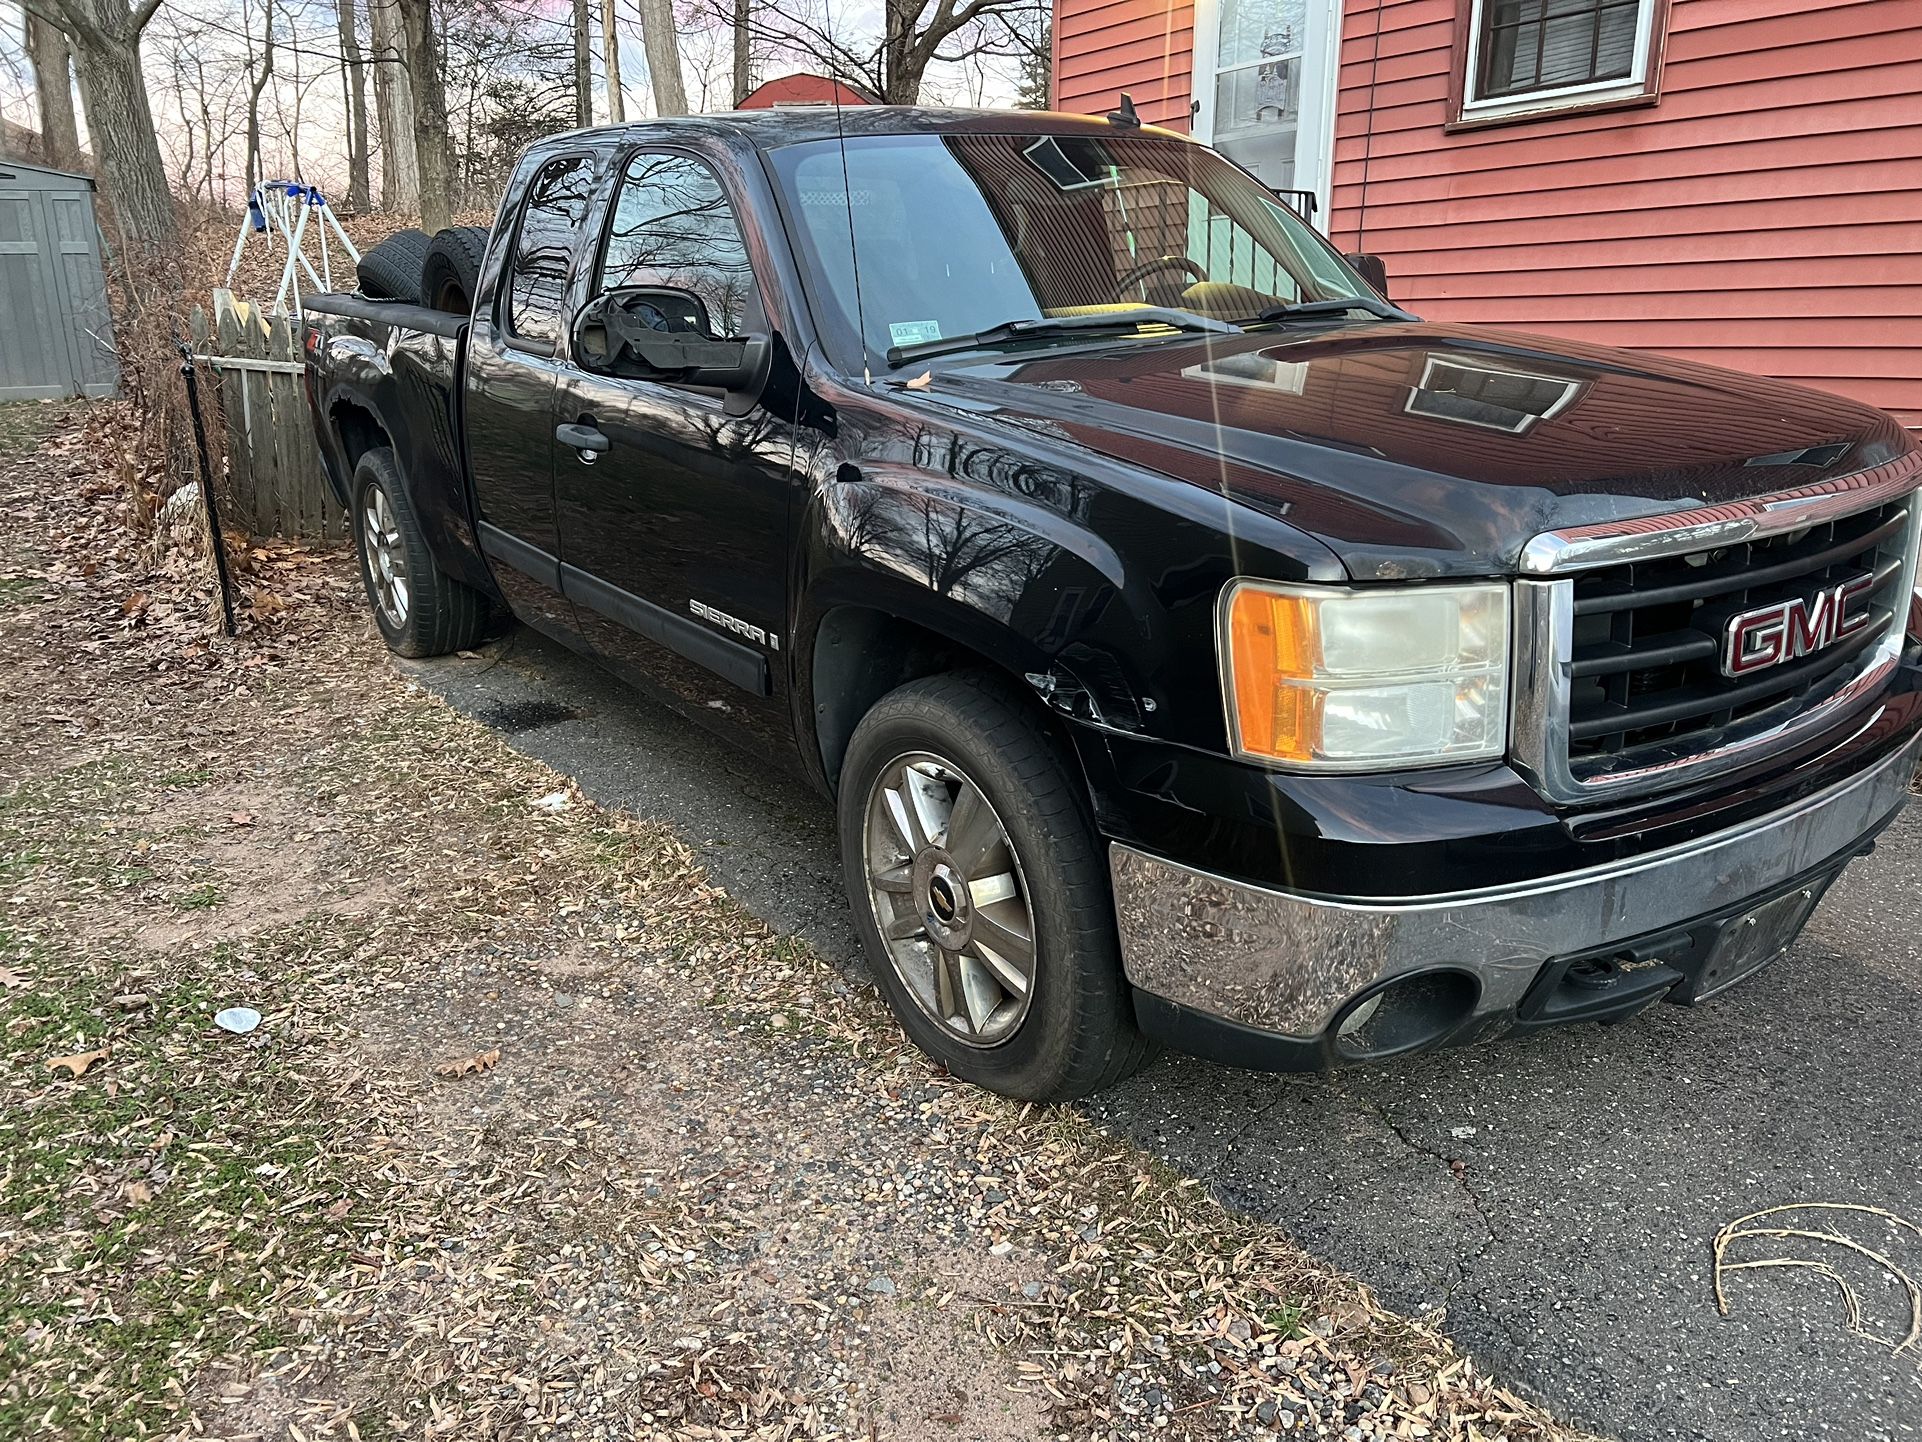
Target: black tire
point(450, 274)
point(439, 614)
point(391, 270)
point(1078, 1033)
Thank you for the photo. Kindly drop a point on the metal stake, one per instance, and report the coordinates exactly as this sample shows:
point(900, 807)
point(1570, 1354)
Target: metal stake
point(207, 487)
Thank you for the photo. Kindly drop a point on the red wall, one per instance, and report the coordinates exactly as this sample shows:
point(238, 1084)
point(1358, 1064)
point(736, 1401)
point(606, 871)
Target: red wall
point(1765, 215)
point(1145, 47)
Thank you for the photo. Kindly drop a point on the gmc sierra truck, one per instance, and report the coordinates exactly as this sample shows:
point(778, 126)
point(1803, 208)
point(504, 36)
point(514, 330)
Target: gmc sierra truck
point(1199, 649)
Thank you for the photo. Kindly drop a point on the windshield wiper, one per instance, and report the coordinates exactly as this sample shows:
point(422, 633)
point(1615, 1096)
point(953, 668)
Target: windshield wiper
point(1119, 320)
point(1339, 305)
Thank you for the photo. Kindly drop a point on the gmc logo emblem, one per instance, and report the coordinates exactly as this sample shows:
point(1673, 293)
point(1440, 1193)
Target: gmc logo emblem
point(1770, 635)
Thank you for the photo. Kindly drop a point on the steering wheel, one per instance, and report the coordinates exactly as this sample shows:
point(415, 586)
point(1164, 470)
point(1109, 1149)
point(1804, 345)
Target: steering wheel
point(1139, 273)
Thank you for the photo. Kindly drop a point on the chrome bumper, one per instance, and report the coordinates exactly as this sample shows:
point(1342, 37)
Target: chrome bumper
point(1285, 963)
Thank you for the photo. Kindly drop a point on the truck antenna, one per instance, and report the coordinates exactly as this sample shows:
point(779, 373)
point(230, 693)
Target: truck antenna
point(847, 199)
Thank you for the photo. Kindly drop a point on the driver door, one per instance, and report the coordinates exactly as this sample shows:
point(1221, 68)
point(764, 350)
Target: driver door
point(676, 533)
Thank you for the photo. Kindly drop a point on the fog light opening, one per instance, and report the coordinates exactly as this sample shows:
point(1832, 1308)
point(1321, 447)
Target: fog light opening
point(1405, 1014)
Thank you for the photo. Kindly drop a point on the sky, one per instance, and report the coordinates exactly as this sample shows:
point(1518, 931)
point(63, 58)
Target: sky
point(205, 40)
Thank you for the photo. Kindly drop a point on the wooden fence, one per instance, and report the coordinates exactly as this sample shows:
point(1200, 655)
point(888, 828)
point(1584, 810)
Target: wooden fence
point(275, 486)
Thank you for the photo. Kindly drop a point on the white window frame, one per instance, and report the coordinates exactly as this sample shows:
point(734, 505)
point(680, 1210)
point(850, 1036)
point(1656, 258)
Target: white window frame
point(1632, 86)
point(1315, 126)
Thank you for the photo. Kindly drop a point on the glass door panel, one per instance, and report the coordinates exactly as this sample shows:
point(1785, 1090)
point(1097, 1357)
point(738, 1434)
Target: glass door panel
point(1264, 106)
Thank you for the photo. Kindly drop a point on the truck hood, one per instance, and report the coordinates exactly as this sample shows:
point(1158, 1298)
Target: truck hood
point(1424, 450)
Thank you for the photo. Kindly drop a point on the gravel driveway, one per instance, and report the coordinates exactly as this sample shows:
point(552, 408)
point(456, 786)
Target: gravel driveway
point(1557, 1194)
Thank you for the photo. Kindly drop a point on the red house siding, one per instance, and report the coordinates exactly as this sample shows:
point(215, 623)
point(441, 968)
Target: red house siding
point(1145, 47)
point(1765, 215)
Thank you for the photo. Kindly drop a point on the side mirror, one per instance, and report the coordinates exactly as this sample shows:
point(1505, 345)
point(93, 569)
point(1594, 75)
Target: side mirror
point(658, 333)
point(1371, 269)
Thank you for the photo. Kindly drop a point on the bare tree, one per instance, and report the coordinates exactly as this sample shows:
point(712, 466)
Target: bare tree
point(353, 82)
point(583, 66)
point(430, 114)
point(914, 34)
point(743, 53)
point(51, 55)
point(611, 48)
point(106, 52)
point(393, 109)
point(263, 72)
point(663, 56)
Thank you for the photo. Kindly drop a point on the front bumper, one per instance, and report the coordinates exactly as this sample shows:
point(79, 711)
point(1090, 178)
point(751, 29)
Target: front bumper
point(1261, 977)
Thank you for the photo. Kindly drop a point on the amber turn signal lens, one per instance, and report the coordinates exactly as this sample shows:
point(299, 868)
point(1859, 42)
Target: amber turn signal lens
point(1338, 679)
point(1271, 641)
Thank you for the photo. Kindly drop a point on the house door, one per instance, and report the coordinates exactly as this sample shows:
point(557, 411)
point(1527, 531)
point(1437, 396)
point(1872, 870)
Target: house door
point(1265, 89)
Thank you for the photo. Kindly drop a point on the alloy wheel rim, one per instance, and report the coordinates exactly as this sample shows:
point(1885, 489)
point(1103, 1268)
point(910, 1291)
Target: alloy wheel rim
point(950, 899)
point(386, 560)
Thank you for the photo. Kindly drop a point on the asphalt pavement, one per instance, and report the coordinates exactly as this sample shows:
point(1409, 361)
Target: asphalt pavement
point(1556, 1194)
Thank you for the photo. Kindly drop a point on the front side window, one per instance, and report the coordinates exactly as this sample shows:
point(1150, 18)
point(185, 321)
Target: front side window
point(551, 228)
point(673, 226)
point(960, 233)
point(1532, 54)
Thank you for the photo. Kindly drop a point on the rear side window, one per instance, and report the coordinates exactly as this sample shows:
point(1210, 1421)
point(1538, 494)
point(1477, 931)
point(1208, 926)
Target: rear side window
point(552, 225)
point(673, 226)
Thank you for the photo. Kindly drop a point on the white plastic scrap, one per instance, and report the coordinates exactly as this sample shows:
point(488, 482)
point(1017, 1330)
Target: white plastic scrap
point(237, 1019)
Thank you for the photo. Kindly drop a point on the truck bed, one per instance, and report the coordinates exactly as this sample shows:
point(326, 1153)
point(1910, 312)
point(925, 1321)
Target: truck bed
point(387, 366)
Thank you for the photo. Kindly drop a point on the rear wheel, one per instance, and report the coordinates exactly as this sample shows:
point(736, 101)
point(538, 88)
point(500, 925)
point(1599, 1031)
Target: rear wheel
point(420, 610)
point(980, 894)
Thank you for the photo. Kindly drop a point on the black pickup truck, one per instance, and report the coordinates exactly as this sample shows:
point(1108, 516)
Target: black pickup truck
point(1199, 648)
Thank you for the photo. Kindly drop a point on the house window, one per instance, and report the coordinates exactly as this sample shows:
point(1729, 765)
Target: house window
point(1530, 55)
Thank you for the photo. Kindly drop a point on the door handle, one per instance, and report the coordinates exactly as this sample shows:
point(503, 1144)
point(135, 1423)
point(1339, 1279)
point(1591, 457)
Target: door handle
point(585, 438)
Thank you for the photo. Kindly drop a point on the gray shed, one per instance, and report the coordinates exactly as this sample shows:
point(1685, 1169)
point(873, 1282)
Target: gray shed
point(56, 338)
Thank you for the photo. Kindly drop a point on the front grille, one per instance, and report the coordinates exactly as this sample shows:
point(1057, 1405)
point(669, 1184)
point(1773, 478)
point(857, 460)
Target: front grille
point(1646, 664)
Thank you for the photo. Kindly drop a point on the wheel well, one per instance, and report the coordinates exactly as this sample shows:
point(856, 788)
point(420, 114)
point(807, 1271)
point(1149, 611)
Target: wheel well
point(860, 655)
point(359, 432)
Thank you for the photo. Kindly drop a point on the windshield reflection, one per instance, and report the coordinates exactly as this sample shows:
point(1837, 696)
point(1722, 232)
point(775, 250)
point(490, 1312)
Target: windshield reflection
point(960, 234)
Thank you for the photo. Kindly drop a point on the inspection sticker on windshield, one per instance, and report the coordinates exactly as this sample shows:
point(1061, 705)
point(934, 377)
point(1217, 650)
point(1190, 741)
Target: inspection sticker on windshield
point(913, 332)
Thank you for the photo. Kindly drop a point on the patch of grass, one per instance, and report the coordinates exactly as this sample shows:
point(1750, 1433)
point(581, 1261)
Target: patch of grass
point(17, 591)
point(204, 897)
point(187, 777)
point(1285, 1319)
point(154, 1210)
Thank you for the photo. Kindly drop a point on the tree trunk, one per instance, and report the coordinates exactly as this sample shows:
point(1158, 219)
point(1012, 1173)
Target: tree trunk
point(353, 79)
point(902, 63)
point(430, 115)
point(394, 110)
point(743, 61)
point(583, 67)
point(207, 129)
point(120, 122)
point(611, 44)
point(52, 56)
point(663, 56)
point(261, 77)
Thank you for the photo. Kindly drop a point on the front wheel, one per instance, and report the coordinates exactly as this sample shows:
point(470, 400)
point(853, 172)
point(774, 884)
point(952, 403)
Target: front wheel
point(420, 609)
point(980, 894)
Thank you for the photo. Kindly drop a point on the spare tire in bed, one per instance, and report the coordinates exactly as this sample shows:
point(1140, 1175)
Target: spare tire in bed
point(450, 275)
point(391, 270)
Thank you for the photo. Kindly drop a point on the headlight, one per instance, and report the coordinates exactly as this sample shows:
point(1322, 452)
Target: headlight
point(1336, 680)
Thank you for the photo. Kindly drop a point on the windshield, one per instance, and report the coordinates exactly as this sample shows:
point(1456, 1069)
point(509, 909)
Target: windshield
point(957, 234)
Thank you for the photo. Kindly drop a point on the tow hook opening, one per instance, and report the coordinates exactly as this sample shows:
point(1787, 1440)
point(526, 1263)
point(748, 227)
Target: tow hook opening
point(1405, 1014)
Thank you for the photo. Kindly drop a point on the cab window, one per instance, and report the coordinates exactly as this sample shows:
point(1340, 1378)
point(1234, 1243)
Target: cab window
point(672, 226)
point(552, 224)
